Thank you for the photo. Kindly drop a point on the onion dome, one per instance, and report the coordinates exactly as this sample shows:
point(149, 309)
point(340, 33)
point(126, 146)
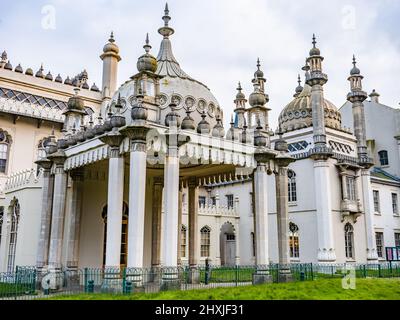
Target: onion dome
point(299, 88)
point(72, 139)
point(374, 96)
point(257, 98)
point(75, 82)
point(85, 86)
point(94, 88)
point(62, 144)
point(298, 113)
point(172, 119)
point(281, 144)
point(19, 69)
point(29, 72)
point(355, 70)
point(203, 127)
point(258, 74)
point(314, 51)
point(218, 130)
point(259, 138)
point(80, 136)
point(244, 138)
point(39, 73)
point(98, 128)
point(240, 95)
point(139, 112)
point(4, 56)
point(111, 46)
point(58, 79)
point(147, 62)
point(90, 133)
point(188, 122)
point(68, 81)
point(49, 76)
point(76, 103)
point(52, 146)
point(8, 66)
point(117, 119)
point(232, 134)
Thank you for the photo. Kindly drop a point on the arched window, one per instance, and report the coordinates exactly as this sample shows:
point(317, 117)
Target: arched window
point(294, 245)
point(1, 221)
point(383, 158)
point(5, 142)
point(292, 186)
point(15, 214)
point(124, 235)
point(205, 241)
point(183, 241)
point(349, 240)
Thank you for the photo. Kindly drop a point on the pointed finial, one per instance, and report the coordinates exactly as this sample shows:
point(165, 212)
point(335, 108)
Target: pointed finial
point(232, 122)
point(258, 63)
point(314, 42)
point(166, 10)
point(299, 79)
point(354, 60)
point(239, 88)
point(112, 40)
point(147, 46)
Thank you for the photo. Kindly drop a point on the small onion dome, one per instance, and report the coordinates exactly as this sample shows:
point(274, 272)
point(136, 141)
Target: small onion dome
point(80, 136)
point(107, 125)
point(147, 62)
point(85, 86)
point(355, 70)
point(76, 103)
point(188, 122)
point(52, 146)
point(258, 74)
point(99, 129)
point(314, 51)
point(90, 132)
point(94, 88)
point(117, 119)
point(203, 127)
point(259, 138)
point(111, 46)
point(299, 88)
point(281, 144)
point(374, 94)
point(231, 134)
point(257, 98)
point(139, 112)
point(58, 79)
point(173, 119)
point(8, 66)
point(49, 76)
point(75, 82)
point(29, 72)
point(244, 139)
point(218, 130)
point(62, 144)
point(40, 73)
point(19, 69)
point(68, 81)
point(240, 95)
point(4, 56)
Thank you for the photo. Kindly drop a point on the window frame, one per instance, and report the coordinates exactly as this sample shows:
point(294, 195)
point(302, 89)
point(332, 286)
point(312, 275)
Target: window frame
point(377, 201)
point(294, 241)
point(397, 239)
point(205, 242)
point(5, 140)
point(13, 237)
point(349, 241)
point(183, 241)
point(230, 201)
point(380, 248)
point(292, 186)
point(383, 157)
point(202, 201)
point(395, 204)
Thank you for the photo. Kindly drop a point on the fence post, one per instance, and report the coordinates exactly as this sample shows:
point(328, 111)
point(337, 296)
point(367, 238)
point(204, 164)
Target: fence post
point(237, 274)
point(365, 271)
point(124, 280)
point(312, 272)
point(85, 279)
point(379, 270)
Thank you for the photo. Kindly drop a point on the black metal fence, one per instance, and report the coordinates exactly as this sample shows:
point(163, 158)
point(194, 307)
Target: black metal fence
point(31, 283)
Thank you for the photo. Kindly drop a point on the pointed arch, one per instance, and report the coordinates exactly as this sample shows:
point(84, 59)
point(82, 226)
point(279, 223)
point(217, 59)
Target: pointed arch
point(15, 212)
point(205, 241)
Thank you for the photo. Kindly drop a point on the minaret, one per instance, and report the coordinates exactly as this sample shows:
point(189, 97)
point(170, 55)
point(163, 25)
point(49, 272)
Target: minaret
point(240, 108)
point(357, 96)
point(320, 154)
point(299, 88)
point(316, 80)
point(110, 59)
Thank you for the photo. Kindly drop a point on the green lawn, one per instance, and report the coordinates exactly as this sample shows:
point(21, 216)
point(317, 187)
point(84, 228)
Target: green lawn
point(324, 289)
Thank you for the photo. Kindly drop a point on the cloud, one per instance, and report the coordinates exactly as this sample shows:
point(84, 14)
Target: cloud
point(218, 42)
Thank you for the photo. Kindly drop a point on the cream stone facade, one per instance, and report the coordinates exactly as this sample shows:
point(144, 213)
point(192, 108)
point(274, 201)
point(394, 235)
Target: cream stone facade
point(145, 175)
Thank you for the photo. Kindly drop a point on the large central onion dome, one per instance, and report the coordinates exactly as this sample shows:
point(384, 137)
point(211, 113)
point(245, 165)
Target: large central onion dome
point(298, 113)
point(176, 87)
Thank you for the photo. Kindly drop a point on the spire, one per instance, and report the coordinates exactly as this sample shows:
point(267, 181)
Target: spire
point(355, 70)
point(314, 40)
point(314, 51)
point(299, 88)
point(147, 46)
point(112, 40)
point(166, 31)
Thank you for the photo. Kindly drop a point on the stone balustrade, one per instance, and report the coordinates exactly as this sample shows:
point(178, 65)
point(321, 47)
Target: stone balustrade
point(22, 179)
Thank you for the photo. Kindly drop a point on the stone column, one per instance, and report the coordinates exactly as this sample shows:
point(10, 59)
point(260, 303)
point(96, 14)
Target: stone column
point(75, 220)
point(323, 201)
point(237, 235)
point(58, 216)
point(171, 207)
point(368, 201)
point(137, 191)
point(193, 212)
point(156, 223)
point(282, 208)
point(45, 219)
point(115, 199)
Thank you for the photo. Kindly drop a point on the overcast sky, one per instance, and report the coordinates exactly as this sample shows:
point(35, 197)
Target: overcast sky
point(215, 41)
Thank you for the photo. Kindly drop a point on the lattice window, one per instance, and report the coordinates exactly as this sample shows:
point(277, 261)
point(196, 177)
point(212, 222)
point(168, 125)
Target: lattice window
point(205, 238)
point(341, 147)
point(12, 246)
point(183, 241)
point(294, 244)
point(298, 146)
point(349, 240)
point(292, 186)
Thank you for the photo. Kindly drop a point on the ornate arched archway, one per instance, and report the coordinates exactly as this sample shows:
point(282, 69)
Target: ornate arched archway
point(227, 240)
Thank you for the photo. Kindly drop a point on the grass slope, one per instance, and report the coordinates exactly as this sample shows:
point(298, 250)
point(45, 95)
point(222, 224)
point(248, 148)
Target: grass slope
point(327, 289)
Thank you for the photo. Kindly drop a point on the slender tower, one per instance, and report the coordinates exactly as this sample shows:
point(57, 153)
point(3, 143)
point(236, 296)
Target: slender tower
point(320, 153)
point(357, 96)
point(110, 59)
point(240, 107)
